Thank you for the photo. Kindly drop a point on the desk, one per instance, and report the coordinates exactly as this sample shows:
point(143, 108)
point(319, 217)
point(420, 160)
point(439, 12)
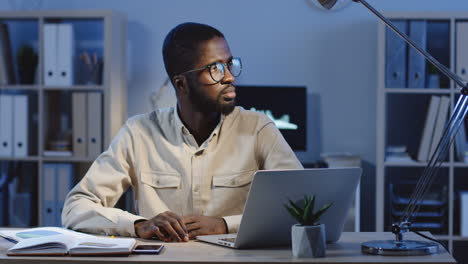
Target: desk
point(347, 250)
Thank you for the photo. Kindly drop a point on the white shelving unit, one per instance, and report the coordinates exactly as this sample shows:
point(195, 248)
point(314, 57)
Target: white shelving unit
point(401, 113)
point(100, 31)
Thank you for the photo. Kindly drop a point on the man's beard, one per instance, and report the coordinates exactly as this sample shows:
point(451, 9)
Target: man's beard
point(207, 105)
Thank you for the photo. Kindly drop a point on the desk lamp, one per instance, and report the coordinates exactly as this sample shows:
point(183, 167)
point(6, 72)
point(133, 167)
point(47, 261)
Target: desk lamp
point(400, 246)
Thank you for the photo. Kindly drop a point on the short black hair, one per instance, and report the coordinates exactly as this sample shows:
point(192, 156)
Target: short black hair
point(180, 48)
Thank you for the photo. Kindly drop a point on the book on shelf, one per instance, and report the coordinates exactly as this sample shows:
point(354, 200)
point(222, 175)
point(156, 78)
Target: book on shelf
point(58, 153)
point(399, 159)
point(439, 126)
point(464, 213)
point(397, 154)
point(55, 241)
point(428, 130)
point(460, 143)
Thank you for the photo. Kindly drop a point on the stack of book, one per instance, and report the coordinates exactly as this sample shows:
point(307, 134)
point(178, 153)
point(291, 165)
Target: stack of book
point(397, 154)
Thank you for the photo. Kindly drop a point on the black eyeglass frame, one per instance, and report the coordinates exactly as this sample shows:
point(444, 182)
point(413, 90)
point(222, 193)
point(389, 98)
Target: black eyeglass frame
point(224, 65)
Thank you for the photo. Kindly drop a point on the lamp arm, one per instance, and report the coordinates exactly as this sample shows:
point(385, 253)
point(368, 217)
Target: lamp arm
point(429, 173)
point(438, 65)
point(455, 122)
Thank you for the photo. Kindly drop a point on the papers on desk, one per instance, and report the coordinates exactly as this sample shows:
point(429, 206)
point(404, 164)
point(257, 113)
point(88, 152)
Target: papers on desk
point(47, 241)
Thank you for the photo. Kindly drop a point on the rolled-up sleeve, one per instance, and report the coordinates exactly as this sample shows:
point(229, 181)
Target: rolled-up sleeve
point(272, 150)
point(89, 205)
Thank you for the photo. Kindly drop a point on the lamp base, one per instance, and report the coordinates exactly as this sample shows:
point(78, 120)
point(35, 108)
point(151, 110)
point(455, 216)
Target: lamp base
point(399, 248)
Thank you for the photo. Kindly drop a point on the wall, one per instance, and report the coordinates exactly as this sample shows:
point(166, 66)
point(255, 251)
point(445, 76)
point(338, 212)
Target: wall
point(281, 43)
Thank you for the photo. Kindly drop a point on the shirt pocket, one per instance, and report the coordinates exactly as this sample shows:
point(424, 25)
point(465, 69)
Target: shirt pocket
point(233, 180)
point(161, 180)
point(229, 193)
point(159, 191)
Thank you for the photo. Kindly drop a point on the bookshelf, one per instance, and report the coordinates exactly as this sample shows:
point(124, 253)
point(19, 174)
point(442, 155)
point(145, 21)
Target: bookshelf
point(52, 110)
point(402, 111)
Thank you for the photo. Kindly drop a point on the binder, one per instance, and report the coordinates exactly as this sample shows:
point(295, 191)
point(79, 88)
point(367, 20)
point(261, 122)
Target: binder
point(429, 125)
point(20, 209)
point(94, 124)
point(4, 193)
point(64, 183)
point(6, 122)
point(461, 50)
point(460, 143)
point(464, 214)
point(20, 125)
point(79, 124)
point(395, 57)
point(65, 54)
point(440, 123)
point(7, 73)
point(48, 197)
point(417, 62)
point(50, 54)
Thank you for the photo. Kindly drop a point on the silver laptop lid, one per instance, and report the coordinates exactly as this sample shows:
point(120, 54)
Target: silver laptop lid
point(266, 222)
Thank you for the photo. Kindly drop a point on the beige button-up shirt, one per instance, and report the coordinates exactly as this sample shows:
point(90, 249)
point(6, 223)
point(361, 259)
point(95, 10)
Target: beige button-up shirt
point(156, 155)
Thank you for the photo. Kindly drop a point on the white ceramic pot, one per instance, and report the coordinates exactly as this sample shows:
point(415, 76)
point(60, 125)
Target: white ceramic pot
point(308, 241)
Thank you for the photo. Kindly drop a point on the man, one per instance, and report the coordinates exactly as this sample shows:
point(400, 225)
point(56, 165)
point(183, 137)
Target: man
point(190, 166)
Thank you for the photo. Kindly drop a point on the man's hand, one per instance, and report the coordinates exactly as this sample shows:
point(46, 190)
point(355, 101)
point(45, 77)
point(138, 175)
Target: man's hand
point(204, 225)
point(167, 226)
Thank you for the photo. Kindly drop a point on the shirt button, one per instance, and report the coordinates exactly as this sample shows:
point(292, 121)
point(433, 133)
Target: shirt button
point(233, 181)
point(196, 188)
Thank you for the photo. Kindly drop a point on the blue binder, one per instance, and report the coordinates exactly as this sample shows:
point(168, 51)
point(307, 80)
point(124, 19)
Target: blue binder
point(395, 56)
point(3, 193)
point(64, 182)
point(57, 180)
point(416, 62)
point(49, 179)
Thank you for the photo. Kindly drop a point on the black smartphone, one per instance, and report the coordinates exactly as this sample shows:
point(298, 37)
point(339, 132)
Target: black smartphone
point(148, 249)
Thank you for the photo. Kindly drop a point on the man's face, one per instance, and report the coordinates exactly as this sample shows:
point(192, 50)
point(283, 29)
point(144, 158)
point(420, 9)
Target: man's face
point(205, 94)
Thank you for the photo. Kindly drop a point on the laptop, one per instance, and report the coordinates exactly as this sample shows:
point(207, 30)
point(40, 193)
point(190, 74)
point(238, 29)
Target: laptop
point(266, 223)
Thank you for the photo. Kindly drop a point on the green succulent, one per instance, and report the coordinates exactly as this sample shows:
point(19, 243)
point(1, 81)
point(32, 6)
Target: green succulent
point(305, 215)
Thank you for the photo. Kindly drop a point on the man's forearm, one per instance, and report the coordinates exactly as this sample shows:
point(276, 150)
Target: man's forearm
point(86, 216)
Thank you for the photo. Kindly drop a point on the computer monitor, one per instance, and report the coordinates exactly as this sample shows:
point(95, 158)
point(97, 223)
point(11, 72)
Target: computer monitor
point(285, 105)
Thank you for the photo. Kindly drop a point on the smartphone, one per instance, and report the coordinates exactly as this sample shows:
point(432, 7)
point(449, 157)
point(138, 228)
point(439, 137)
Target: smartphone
point(148, 249)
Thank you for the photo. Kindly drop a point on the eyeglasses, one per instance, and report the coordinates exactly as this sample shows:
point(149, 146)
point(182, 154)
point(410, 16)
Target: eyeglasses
point(218, 69)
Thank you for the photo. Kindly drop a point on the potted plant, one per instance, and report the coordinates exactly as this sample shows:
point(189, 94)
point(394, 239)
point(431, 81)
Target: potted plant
point(308, 236)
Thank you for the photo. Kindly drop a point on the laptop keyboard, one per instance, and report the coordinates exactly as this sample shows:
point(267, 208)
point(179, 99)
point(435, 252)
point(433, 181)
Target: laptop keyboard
point(232, 239)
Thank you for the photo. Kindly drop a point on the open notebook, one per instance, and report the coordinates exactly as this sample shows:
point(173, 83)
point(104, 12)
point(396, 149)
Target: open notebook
point(60, 241)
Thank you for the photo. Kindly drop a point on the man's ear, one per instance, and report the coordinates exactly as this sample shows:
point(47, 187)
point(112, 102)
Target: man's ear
point(180, 84)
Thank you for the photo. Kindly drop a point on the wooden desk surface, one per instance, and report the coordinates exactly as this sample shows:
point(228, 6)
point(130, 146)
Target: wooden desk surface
point(346, 250)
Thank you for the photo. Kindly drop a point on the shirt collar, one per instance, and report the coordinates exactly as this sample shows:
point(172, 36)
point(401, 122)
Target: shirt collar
point(180, 127)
